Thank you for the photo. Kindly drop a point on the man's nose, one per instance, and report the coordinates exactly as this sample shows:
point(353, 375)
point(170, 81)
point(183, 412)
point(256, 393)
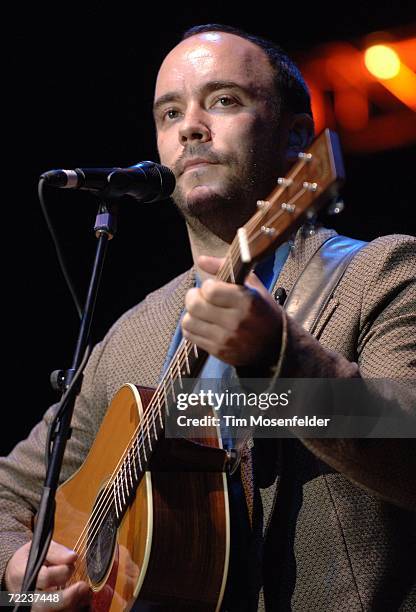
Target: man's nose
point(194, 127)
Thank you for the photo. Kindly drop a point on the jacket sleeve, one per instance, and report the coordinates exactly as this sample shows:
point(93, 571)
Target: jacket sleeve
point(133, 350)
point(22, 472)
point(386, 349)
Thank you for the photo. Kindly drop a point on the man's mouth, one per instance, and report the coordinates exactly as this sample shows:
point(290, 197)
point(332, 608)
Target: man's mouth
point(193, 164)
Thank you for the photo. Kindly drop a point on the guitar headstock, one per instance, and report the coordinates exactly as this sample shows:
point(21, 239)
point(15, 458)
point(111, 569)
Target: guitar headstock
point(312, 182)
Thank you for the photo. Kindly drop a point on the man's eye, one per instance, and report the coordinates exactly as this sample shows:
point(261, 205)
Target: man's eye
point(171, 113)
point(225, 101)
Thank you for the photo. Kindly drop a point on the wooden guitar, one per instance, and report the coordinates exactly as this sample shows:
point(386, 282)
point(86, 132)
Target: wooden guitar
point(147, 515)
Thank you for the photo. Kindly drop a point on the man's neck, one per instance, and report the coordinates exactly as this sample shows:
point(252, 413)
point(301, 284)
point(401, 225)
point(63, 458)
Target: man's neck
point(204, 242)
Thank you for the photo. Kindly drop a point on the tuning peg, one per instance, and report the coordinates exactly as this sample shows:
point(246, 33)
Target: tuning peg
point(336, 206)
point(269, 231)
point(305, 156)
point(288, 207)
point(310, 186)
point(286, 182)
point(262, 204)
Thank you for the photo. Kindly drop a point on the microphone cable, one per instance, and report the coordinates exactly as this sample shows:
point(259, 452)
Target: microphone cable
point(61, 259)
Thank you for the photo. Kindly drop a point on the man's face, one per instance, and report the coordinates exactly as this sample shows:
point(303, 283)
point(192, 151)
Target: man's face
point(216, 113)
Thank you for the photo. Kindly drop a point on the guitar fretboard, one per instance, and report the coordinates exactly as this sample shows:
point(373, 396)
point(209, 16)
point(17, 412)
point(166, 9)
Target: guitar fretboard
point(315, 177)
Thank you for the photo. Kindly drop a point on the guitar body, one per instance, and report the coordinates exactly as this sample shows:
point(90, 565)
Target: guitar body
point(169, 551)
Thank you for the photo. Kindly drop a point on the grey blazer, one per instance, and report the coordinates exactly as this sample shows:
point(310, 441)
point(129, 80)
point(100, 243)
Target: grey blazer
point(342, 532)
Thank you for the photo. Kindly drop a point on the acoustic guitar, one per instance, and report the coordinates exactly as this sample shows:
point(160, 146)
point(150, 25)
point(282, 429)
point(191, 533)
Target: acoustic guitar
point(147, 515)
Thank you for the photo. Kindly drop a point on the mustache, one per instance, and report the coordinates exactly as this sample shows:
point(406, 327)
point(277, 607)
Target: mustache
point(194, 151)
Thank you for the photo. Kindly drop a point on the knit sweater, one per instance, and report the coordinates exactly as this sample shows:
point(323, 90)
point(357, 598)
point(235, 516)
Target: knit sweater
point(341, 532)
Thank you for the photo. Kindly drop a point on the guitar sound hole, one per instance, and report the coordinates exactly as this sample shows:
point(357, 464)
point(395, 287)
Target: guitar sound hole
point(102, 533)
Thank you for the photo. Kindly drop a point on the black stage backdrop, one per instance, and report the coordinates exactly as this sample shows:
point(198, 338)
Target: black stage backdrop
point(78, 92)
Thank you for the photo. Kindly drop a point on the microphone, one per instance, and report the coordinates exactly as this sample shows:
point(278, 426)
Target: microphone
point(145, 181)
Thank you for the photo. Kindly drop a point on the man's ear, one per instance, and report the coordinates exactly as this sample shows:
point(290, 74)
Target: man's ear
point(300, 135)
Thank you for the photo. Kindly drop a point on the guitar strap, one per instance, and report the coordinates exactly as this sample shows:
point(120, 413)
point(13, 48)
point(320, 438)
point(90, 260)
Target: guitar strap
point(305, 303)
point(314, 287)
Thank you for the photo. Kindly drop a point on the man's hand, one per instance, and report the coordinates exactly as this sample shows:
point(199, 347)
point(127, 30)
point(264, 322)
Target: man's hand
point(240, 325)
point(58, 568)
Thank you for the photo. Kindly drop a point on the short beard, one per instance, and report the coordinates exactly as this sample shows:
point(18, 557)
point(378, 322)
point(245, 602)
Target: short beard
point(223, 213)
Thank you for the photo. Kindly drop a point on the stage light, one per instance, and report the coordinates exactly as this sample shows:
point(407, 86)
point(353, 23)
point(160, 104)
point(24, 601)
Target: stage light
point(382, 61)
point(366, 91)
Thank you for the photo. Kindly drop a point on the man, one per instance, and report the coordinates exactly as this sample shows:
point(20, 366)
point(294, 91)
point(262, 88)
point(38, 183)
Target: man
point(230, 112)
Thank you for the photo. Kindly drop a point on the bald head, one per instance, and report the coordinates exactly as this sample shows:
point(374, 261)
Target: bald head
point(218, 56)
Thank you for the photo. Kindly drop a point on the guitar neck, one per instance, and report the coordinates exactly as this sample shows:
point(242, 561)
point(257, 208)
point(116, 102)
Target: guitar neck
point(312, 181)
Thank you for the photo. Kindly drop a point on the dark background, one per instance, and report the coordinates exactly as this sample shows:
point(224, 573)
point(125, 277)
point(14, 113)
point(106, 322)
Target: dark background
point(78, 86)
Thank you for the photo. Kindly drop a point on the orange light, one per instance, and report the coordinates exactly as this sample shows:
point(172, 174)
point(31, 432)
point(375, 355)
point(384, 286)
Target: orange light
point(382, 62)
point(351, 109)
point(403, 86)
point(373, 108)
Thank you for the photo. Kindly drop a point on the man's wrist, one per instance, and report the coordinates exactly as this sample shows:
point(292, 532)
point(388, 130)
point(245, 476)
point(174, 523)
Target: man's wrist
point(272, 364)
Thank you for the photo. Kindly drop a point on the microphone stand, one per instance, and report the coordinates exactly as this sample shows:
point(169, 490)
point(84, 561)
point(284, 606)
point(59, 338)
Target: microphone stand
point(69, 383)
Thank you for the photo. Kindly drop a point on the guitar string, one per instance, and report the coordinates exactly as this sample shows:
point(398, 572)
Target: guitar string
point(129, 460)
point(149, 414)
point(138, 440)
point(233, 250)
point(137, 444)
